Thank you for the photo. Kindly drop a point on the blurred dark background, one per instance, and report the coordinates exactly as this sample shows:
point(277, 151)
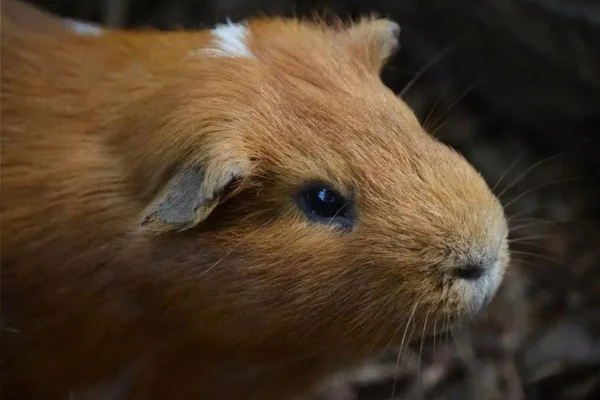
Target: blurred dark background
point(515, 86)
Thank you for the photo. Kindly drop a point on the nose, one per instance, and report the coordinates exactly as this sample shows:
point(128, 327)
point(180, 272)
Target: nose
point(469, 272)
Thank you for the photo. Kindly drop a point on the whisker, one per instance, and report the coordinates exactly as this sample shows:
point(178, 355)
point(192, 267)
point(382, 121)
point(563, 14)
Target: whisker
point(458, 347)
point(531, 168)
point(401, 347)
point(434, 336)
point(517, 245)
point(554, 224)
point(452, 104)
point(528, 263)
point(448, 324)
point(540, 256)
point(523, 212)
point(537, 188)
point(533, 237)
point(384, 307)
point(517, 227)
point(393, 337)
point(539, 246)
point(434, 107)
point(530, 211)
point(534, 224)
point(396, 374)
point(419, 377)
point(514, 163)
point(436, 59)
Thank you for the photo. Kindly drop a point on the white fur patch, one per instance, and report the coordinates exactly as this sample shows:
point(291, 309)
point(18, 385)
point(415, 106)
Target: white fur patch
point(83, 28)
point(230, 40)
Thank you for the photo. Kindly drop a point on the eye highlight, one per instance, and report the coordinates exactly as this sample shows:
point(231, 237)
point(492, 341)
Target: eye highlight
point(323, 204)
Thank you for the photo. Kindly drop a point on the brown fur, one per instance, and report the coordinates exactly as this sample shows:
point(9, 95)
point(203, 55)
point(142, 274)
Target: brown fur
point(33, 18)
point(255, 302)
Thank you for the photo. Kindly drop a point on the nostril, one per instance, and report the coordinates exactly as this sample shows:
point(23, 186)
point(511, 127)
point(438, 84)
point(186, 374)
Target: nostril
point(469, 272)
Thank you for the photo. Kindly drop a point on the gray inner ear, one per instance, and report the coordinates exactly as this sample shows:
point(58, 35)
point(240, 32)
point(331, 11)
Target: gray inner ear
point(177, 206)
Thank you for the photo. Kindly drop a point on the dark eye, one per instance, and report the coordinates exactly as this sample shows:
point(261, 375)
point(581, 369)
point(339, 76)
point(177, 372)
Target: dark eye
point(324, 204)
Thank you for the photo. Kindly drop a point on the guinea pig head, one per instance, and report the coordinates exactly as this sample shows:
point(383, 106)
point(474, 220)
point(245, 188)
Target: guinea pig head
point(314, 212)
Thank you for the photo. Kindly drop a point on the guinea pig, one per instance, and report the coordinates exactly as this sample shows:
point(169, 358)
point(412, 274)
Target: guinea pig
point(233, 213)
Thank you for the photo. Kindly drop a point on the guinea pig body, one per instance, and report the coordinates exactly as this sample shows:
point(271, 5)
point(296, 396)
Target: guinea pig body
point(233, 213)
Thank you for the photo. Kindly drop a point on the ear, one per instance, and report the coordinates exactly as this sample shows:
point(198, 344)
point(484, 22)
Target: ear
point(373, 41)
point(190, 195)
